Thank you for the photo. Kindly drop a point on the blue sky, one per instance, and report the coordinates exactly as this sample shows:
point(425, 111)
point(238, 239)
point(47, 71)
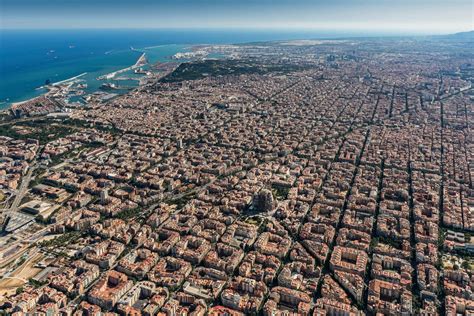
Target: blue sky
point(397, 16)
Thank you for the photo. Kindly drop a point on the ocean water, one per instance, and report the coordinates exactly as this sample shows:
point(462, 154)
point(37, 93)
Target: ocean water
point(30, 57)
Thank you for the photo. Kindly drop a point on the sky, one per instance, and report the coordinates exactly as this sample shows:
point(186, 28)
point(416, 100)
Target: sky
point(396, 16)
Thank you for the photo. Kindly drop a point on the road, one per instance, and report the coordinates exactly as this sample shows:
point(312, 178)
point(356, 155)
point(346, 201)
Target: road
point(26, 119)
point(23, 188)
point(25, 182)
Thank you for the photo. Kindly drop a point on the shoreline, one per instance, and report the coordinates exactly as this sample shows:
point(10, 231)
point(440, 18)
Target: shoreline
point(141, 61)
point(59, 82)
point(55, 84)
point(5, 105)
point(70, 79)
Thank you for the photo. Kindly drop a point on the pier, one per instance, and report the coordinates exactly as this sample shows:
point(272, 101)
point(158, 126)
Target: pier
point(140, 62)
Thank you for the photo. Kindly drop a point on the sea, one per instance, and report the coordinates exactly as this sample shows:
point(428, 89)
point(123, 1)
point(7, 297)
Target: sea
point(30, 58)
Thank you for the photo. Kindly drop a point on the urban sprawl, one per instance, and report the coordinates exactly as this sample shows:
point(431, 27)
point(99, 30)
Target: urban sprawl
point(329, 177)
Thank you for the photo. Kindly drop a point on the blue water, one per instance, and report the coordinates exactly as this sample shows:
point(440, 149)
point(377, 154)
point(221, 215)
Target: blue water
point(30, 57)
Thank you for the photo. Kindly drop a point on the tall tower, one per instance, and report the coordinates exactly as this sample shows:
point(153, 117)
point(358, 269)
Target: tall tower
point(104, 196)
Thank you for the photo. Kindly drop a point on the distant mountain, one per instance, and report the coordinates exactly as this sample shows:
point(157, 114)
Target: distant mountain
point(469, 35)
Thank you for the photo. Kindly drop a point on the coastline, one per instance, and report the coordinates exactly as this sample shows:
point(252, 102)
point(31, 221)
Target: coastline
point(6, 105)
point(141, 61)
point(149, 56)
point(70, 79)
point(55, 84)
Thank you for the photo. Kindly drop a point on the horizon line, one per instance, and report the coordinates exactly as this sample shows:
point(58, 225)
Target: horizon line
point(391, 32)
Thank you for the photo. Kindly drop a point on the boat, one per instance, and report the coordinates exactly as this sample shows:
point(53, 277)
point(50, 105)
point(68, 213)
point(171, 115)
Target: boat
point(140, 71)
point(109, 86)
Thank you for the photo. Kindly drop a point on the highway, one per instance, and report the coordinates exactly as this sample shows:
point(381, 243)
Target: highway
point(23, 188)
point(25, 182)
point(26, 119)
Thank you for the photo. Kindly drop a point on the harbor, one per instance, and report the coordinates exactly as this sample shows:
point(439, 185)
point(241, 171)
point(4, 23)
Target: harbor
point(142, 61)
point(125, 67)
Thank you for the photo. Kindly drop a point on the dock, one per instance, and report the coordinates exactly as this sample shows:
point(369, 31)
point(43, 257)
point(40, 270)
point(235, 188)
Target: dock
point(140, 62)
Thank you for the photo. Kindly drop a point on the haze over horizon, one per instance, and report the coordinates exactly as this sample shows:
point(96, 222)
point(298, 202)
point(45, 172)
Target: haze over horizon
point(382, 16)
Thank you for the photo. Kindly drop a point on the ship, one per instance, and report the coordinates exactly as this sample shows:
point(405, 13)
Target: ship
point(140, 71)
point(109, 86)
